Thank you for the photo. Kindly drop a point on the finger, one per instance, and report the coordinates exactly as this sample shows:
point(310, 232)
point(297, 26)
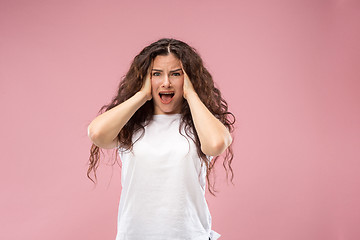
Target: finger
point(182, 67)
point(150, 69)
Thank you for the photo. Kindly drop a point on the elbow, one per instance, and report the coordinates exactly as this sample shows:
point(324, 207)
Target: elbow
point(98, 139)
point(217, 147)
point(94, 136)
point(91, 133)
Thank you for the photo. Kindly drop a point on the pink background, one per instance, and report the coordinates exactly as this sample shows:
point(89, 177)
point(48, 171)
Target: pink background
point(290, 71)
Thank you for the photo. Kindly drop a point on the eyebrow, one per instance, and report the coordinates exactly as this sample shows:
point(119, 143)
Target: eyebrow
point(158, 70)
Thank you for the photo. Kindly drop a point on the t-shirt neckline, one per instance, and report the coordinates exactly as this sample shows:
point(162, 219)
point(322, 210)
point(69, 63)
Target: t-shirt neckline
point(160, 116)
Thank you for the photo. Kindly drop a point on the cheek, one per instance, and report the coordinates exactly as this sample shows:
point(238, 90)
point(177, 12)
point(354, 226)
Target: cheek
point(154, 84)
point(180, 84)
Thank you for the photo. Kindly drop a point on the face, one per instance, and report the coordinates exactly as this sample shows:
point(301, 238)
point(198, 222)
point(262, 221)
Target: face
point(167, 80)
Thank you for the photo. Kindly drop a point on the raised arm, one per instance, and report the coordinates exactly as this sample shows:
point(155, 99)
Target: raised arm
point(214, 136)
point(104, 129)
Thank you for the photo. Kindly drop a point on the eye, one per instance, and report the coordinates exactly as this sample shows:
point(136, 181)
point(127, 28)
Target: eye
point(156, 74)
point(176, 74)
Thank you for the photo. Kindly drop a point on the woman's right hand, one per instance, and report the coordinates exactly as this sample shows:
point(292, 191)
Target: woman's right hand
point(146, 87)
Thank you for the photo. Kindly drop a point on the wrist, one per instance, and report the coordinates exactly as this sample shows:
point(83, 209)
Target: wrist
point(142, 96)
point(190, 95)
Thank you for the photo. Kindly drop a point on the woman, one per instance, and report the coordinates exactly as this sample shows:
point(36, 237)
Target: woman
point(169, 124)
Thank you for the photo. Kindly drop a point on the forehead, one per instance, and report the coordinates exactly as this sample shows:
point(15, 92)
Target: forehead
point(165, 62)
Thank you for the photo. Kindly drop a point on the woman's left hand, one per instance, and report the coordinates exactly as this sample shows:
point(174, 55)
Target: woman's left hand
point(188, 87)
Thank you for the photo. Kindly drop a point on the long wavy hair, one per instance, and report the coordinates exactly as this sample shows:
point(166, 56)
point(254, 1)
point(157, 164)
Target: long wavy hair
point(204, 86)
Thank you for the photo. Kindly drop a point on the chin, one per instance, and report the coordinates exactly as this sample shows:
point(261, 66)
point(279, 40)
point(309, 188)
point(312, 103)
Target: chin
point(168, 108)
point(169, 111)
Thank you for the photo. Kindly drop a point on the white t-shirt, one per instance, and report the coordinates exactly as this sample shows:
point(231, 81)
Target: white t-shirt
point(163, 196)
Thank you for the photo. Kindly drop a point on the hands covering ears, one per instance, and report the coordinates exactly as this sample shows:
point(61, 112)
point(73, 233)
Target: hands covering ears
point(146, 87)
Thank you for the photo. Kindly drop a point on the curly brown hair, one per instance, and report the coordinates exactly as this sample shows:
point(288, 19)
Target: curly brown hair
point(203, 84)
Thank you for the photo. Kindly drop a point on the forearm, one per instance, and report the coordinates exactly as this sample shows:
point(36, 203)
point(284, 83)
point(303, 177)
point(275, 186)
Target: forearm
point(214, 136)
point(105, 127)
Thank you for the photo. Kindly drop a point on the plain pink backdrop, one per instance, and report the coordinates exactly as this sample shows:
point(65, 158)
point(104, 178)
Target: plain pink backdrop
point(290, 71)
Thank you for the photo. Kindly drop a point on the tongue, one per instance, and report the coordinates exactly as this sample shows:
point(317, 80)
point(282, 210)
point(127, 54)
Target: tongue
point(166, 98)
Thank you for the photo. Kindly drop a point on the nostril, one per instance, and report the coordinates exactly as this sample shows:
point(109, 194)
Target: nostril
point(166, 84)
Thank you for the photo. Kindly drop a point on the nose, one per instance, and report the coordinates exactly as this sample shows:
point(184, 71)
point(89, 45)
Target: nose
point(166, 81)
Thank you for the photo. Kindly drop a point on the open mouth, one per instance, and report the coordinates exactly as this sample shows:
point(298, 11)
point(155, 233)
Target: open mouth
point(166, 97)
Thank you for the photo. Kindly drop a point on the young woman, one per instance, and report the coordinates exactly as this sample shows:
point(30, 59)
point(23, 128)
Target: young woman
point(169, 124)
